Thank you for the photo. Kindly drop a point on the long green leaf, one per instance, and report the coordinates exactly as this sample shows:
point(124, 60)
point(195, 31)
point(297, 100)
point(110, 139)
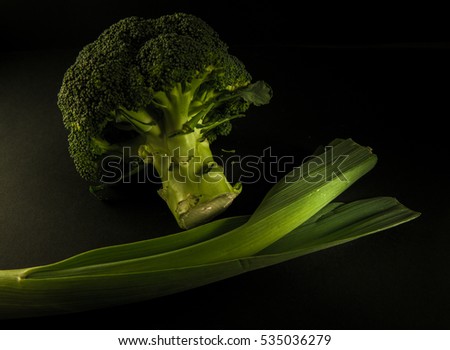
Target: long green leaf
point(164, 244)
point(152, 246)
point(43, 296)
point(294, 200)
point(293, 219)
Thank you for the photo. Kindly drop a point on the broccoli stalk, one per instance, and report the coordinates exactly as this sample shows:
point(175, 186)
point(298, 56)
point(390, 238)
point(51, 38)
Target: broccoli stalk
point(193, 184)
point(164, 88)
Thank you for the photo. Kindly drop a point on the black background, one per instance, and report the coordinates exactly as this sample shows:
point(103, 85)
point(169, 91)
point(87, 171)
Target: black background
point(377, 75)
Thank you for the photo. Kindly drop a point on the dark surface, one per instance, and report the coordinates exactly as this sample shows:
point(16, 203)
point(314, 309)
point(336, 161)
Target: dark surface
point(37, 24)
point(389, 93)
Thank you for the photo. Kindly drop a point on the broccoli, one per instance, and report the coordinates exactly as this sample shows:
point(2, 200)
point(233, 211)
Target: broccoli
point(162, 89)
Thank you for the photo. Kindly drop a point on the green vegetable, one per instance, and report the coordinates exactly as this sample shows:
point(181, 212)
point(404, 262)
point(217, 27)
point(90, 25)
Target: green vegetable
point(158, 91)
point(293, 219)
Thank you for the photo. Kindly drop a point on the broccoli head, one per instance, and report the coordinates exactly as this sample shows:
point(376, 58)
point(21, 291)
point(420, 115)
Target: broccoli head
point(163, 89)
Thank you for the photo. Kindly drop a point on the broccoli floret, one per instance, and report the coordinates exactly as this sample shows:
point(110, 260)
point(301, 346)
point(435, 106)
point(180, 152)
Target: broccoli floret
point(164, 89)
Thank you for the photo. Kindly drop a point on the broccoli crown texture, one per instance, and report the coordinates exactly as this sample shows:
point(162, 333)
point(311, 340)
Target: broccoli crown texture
point(162, 87)
point(171, 74)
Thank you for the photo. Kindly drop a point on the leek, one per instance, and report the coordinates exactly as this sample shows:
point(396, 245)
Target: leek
point(295, 218)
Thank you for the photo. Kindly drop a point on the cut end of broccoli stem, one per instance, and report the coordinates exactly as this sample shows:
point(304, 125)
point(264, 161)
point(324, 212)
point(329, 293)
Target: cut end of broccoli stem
point(205, 211)
point(196, 202)
point(194, 186)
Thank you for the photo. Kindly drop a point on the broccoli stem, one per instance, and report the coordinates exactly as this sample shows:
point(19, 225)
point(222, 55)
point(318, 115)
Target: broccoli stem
point(194, 186)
